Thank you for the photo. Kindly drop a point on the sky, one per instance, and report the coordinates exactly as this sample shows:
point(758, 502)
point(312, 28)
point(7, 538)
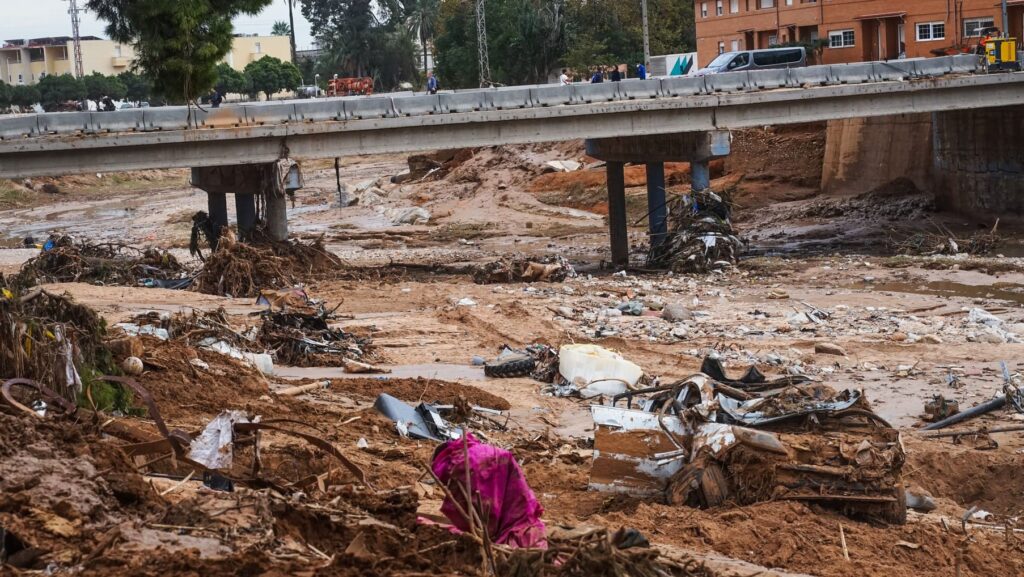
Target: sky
point(39, 18)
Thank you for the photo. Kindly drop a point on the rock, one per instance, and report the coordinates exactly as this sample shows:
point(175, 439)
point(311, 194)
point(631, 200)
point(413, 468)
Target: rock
point(633, 308)
point(132, 366)
point(676, 312)
point(991, 336)
point(466, 302)
point(679, 332)
point(565, 312)
point(898, 337)
point(478, 361)
point(611, 313)
point(914, 327)
point(373, 197)
point(829, 349)
point(778, 295)
point(346, 198)
point(413, 215)
point(798, 319)
point(931, 339)
point(126, 347)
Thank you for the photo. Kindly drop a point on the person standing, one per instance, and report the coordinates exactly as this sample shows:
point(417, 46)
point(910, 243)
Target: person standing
point(431, 83)
point(616, 75)
point(597, 78)
point(564, 79)
point(641, 71)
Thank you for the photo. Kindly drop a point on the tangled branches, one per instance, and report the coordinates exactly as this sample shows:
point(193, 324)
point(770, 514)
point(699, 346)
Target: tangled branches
point(700, 235)
point(242, 270)
point(944, 242)
point(69, 260)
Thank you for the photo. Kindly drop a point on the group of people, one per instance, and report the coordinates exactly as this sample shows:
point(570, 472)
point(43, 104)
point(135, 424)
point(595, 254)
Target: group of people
point(599, 73)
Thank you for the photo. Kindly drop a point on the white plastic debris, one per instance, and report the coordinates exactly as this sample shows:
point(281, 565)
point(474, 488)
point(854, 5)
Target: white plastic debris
point(134, 330)
point(595, 370)
point(262, 361)
point(361, 443)
point(983, 317)
point(212, 448)
point(563, 165)
point(414, 215)
point(466, 302)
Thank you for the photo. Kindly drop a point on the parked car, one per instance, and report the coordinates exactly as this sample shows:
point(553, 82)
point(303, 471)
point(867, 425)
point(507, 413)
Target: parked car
point(793, 57)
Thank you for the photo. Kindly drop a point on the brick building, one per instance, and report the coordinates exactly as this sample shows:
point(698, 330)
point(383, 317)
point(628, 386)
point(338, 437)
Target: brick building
point(855, 30)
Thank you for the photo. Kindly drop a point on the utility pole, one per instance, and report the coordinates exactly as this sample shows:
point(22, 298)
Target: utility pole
point(291, 28)
point(481, 43)
point(1006, 22)
point(647, 37)
point(73, 10)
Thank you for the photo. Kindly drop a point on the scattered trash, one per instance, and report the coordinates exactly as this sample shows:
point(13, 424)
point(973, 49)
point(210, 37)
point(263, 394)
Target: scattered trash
point(213, 447)
point(561, 166)
point(939, 407)
point(700, 237)
point(132, 366)
point(510, 270)
point(510, 364)
point(240, 269)
point(66, 259)
point(592, 370)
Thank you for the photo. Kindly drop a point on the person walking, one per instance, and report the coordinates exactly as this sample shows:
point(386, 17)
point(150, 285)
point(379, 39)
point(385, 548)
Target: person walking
point(564, 79)
point(431, 83)
point(641, 71)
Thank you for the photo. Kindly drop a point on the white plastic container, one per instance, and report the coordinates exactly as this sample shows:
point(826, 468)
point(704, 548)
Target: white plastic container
point(595, 370)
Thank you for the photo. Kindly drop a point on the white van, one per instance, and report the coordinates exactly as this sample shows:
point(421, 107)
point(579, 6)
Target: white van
point(792, 57)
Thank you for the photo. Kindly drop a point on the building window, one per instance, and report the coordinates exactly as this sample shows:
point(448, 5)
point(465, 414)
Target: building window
point(766, 3)
point(62, 53)
point(259, 48)
point(931, 31)
point(773, 40)
point(719, 10)
point(735, 45)
point(117, 51)
point(721, 47)
point(734, 6)
point(974, 26)
point(703, 9)
point(841, 39)
point(21, 79)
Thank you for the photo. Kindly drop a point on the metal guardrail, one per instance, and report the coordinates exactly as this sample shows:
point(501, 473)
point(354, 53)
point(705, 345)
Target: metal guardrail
point(463, 101)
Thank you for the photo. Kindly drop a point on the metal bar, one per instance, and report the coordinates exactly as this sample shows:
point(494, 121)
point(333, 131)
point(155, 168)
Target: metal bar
point(975, 411)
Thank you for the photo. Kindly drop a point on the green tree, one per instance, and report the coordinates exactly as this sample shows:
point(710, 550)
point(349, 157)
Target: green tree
point(138, 87)
point(421, 19)
point(289, 76)
point(23, 96)
point(98, 85)
point(231, 81)
point(178, 44)
point(5, 96)
point(281, 28)
point(55, 90)
point(264, 75)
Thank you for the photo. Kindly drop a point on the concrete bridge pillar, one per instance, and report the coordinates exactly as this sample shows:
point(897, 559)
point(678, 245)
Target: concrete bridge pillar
point(979, 161)
point(246, 181)
point(697, 148)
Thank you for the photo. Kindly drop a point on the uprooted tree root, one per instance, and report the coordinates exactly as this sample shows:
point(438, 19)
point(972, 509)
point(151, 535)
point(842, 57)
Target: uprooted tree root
point(242, 270)
point(44, 336)
point(107, 263)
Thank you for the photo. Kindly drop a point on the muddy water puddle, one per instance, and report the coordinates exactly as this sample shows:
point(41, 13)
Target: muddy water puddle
point(1011, 292)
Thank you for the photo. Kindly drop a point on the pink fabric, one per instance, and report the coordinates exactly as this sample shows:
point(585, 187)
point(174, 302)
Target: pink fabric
point(509, 506)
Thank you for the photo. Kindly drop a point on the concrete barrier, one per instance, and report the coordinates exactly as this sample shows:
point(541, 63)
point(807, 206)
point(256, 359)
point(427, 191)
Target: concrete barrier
point(463, 101)
point(19, 127)
point(551, 95)
point(260, 113)
point(421, 105)
point(224, 117)
point(853, 73)
point(65, 122)
point(811, 76)
point(966, 63)
point(727, 82)
point(893, 70)
point(768, 79)
point(128, 120)
point(588, 93)
point(369, 107)
point(933, 66)
point(508, 97)
point(636, 89)
point(320, 110)
point(683, 85)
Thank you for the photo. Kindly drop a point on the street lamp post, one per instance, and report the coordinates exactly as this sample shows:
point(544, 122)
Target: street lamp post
point(647, 39)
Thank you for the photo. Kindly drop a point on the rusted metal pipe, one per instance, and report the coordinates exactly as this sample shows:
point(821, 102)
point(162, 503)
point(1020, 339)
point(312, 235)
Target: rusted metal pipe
point(975, 411)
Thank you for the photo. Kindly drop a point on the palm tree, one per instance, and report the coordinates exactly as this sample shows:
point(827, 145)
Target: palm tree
point(421, 17)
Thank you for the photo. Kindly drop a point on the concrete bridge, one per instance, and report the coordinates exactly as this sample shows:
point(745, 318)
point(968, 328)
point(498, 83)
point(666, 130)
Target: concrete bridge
point(232, 149)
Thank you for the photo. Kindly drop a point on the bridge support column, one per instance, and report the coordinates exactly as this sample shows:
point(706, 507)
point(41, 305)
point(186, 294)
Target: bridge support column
point(617, 225)
point(657, 209)
point(217, 207)
point(697, 148)
point(245, 210)
point(979, 161)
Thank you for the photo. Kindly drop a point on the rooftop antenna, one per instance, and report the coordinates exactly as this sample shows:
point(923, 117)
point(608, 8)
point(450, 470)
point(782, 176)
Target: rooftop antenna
point(481, 43)
point(73, 10)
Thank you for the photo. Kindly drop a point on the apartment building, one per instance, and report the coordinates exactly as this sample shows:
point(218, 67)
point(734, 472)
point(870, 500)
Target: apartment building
point(27, 61)
point(855, 30)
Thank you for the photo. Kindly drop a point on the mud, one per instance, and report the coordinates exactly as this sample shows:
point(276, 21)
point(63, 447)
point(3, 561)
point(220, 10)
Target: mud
point(72, 494)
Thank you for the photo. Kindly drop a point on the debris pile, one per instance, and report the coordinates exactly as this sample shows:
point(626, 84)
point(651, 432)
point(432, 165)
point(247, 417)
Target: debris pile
point(511, 270)
point(50, 338)
point(944, 242)
point(706, 442)
point(240, 269)
point(66, 259)
point(700, 236)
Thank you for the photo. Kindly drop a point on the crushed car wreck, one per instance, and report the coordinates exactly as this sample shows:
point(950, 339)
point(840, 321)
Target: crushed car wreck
point(700, 442)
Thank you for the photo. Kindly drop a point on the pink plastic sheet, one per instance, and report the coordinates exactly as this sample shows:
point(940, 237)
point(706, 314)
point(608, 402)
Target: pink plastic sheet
point(500, 492)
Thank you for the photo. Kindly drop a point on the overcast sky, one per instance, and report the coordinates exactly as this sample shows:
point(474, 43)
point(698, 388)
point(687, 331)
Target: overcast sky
point(38, 18)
